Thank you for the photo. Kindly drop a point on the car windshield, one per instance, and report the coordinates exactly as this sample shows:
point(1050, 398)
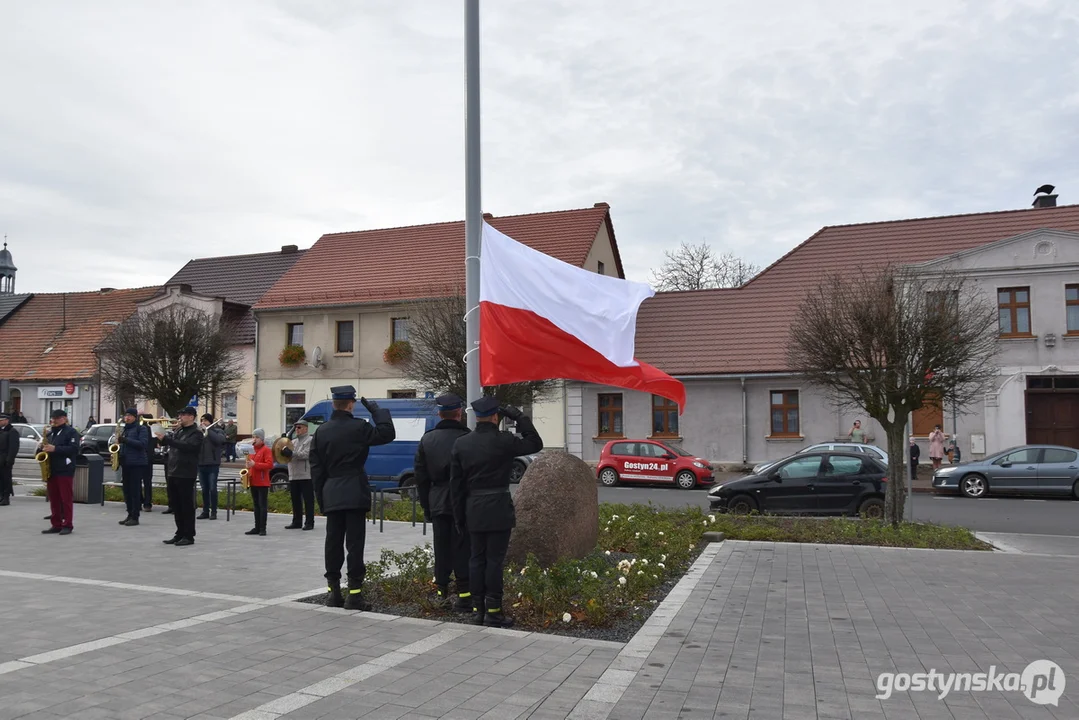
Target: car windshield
point(677, 450)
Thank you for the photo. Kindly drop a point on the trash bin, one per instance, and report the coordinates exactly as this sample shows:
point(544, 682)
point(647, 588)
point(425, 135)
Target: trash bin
point(89, 476)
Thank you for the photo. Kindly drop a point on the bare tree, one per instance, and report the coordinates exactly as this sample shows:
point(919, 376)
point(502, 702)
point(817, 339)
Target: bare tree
point(436, 332)
point(698, 267)
point(891, 341)
point(170, 356)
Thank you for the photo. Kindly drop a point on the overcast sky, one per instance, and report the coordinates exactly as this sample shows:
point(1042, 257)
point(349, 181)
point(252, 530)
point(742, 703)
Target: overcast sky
point(137, 134)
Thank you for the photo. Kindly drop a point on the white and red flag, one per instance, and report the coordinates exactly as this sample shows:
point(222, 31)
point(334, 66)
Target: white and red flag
point(541, 318)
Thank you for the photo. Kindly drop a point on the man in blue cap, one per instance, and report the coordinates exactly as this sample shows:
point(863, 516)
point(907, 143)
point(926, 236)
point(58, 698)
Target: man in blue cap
point(338, 454)
point(133, 440)
point(432, 467)
point(480, 469)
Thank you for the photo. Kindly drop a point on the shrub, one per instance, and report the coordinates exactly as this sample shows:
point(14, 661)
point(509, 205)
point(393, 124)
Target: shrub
point(292, 356)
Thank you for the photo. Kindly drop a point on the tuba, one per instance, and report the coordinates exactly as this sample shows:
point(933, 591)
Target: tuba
point(42, 459)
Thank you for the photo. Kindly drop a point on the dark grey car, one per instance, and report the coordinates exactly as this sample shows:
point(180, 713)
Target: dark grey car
point(1041, 469)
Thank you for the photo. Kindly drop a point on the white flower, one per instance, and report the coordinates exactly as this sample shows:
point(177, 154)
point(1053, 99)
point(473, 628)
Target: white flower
point(637, 535)
point(661, 533)
point(621, 581)
point(663, 558)
point(520, 594)
point(615, 517)
point(704, 522)
point(662, 565)
point(594, 574)
point(566, 617)
point(644, 561)
point(691, 548)
point(631, 517)
point(525, 568)
point(640, 572)
point(711, 518)
point(655, 577)
point(607, 553)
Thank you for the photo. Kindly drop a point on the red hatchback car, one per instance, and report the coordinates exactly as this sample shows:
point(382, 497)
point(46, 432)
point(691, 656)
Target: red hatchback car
point(652, 461)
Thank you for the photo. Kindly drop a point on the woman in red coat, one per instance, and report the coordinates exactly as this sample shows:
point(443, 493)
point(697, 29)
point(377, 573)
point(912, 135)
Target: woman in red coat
point(259, 464)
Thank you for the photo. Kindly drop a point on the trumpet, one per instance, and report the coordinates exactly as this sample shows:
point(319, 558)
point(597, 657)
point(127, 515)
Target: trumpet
point(42, 459)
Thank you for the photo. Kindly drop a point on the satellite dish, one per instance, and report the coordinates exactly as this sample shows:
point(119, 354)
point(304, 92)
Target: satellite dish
point(317, 355)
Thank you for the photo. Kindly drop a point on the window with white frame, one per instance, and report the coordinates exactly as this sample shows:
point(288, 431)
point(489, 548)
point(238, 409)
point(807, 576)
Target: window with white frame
point(294, 403)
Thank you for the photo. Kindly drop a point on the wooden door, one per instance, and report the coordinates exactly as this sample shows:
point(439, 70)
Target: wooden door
point(1053, 418)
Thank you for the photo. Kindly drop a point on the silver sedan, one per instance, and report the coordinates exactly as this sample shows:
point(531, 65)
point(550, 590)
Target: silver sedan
point(1043, 469)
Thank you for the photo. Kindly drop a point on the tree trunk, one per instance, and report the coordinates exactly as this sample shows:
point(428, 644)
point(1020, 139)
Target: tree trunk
point(896, 497)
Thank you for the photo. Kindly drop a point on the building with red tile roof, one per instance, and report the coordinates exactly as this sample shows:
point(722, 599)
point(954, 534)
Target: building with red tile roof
point(48, 346)
point(730, 345)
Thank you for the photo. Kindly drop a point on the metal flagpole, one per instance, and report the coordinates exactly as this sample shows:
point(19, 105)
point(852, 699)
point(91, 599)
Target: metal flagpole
point(473, 212)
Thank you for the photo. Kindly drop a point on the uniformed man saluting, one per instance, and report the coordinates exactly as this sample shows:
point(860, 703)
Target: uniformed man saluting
point(432, 467)
point(480, 469)
point(338, 453)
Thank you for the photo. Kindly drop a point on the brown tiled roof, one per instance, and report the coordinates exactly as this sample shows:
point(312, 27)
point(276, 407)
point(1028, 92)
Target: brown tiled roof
point(240, 279)
point(421, 260)
point(11, 303)
point(72, 324)
point(745, 329)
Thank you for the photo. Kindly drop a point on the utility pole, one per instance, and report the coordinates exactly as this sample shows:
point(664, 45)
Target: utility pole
point(473, 211)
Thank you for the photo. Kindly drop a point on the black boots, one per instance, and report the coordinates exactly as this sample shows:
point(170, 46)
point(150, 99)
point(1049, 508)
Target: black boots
point(124, 521)
point(130, 522)
point(213, 514)
point(203, 516)
point(497, 619)
point(6, 500)
point(463, 603)
point(293, 526)
point(443, 592)
point(477, 613)
point(355, 601)
point(333, 597)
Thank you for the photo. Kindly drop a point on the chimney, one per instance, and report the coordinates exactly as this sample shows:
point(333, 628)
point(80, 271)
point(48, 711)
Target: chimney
point(487, 216)
point(602, 205)
point(107, 290)
point(1045, 201)
point(286, 249)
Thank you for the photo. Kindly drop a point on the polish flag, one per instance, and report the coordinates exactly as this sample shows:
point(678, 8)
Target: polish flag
point(541, 318)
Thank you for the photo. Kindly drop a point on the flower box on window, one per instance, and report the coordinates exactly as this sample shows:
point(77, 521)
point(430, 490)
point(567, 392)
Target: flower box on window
point(292, 356)
point(398, 352)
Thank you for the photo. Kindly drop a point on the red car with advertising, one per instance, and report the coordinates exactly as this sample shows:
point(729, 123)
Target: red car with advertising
point(652, 461)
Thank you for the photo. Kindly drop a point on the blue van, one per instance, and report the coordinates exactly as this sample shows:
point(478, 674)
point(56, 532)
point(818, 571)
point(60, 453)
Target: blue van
point(390, 465)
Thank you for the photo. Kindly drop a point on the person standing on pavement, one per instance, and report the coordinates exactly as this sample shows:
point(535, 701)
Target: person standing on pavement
point(299, 479)
point(338, 453)
point(480, 469)
point(9, 449)
point(230, 441)
point(957, 455)
point(134, 439)
point(182, 470)
point(62, 445)
point(432, 468)
point(936, 447)
point(213, 442)
point(857, 434)
point(148, 474)
point(915, 456)
point(259, 464)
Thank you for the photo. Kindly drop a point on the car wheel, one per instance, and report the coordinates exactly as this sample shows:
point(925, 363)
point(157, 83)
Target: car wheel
point(608, 477)
point(741, 505)
point(1075, 490)
point(517, 472)
point(279, 478)
point(974, 486)
point(872, 509)
point(408, 487)
point(686, 480)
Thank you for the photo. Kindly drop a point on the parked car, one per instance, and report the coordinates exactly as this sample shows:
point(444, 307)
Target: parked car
point(871, 450)
point(817, 483)
point(1048, 469)
point(388, 466)
point(30, 436)
point(652, 461)
point(97, 438)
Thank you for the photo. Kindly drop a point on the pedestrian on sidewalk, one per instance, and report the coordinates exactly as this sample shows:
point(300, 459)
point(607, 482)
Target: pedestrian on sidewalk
point(856, 434)
point(259, 463)
point(936, 447)
point(213, 442)
point(184, 445)
point(300, 487)
point(956, 455)
point(133, 440)
point(9, 449)
point(338, 454)
point(480, 471)
point(62, 445)
point(915, 456)
point(230, 441)
point(432, 469)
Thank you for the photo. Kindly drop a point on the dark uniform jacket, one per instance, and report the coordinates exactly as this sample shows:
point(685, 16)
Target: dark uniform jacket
point(338, 453)
point(62, 460)
point(184, 445)
point(432, 466)
point(134, 441)
point(480, 470)
point(212, 445)
point(9, 445)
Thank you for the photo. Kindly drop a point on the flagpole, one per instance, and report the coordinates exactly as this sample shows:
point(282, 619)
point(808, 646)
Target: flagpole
point(473, 211)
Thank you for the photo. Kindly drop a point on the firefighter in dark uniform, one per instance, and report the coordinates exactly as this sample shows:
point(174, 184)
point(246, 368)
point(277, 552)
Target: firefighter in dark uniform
point(480, 469)
point(432, 468)
point(338, 453)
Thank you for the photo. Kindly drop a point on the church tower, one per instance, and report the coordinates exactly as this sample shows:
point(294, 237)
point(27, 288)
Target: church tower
point(7, 272)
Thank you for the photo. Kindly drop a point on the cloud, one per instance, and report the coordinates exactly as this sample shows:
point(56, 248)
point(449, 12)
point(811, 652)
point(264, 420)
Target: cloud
point(135, 136)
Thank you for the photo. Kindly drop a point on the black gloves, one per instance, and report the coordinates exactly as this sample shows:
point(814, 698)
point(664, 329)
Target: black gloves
point(287, 452)
point(461, 530)
point(371, 405)
point(510, 412)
